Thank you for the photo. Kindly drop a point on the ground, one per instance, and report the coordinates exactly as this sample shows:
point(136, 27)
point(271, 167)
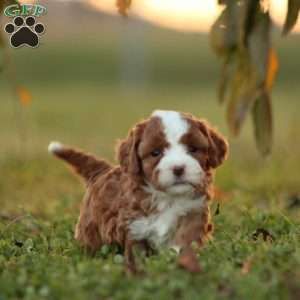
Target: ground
point(255, 250)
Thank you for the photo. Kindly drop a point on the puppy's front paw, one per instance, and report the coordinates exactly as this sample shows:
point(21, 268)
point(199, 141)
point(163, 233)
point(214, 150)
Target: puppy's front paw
point(188, 261)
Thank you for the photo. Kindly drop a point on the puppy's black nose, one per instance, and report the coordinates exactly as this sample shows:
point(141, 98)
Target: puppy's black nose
point(178, 171)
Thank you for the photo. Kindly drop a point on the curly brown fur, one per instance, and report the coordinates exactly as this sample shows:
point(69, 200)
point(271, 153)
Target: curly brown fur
point(158, 195)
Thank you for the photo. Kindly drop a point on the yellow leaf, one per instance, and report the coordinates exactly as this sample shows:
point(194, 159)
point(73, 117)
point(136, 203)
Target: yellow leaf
point(24, 95)
point(123, 6)
point(272, 69)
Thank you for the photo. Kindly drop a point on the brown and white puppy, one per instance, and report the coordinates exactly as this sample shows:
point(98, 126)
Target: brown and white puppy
point(158, 195)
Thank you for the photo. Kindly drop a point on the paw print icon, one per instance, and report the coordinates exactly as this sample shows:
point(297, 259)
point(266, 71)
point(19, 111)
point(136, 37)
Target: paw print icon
point(24, 31)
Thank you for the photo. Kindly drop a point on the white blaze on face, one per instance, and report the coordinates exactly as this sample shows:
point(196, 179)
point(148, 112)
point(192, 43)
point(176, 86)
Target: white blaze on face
point(176, 155)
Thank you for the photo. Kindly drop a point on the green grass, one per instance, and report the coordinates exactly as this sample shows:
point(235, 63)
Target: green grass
point(40, 199)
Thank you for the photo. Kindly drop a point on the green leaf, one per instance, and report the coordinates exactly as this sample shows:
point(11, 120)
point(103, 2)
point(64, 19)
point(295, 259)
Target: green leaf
point(292, 16)
point(263, 123)
point(227, 72)
point(250, 12)
point(224, 31)
point(241, 37)
point(242, 93)
point(259, 45)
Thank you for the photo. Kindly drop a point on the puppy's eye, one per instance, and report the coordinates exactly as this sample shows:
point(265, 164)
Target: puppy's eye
point(156, 152)
point(192, 149)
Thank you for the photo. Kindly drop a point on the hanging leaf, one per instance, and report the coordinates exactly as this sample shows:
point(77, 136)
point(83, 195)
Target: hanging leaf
point(224, 42)
point(218, 35)
point(259, 45)
point(250, 12)
point(242, 95)
point(24, 95)
point(241, 38)
point(263, 123)
point(265, 64)
point(227, 72)
point(272, 69)
point(224, 31)
point(291, 16)
point(123, 6)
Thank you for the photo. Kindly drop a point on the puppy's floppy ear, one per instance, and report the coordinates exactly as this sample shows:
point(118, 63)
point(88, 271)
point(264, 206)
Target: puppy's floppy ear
point(218, 146)
point(127, 153)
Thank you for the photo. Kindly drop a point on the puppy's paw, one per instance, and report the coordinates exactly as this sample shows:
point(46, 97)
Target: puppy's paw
point(188, 261)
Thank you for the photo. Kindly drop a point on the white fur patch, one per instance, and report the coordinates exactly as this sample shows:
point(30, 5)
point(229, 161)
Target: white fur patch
point(55, 147)
point(174, 126)
point(159, 228)
point(176, 155)
point(178, 197)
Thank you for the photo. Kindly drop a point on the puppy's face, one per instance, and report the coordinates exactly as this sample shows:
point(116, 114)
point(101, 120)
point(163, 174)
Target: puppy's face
point(172, 151)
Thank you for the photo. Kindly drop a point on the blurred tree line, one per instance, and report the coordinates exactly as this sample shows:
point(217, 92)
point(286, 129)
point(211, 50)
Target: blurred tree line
point(241, 39)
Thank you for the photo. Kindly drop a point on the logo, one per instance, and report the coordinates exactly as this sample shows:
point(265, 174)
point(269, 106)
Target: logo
point(24, 30)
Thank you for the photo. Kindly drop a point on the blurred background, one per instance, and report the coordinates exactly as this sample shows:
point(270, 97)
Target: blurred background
point(95, 74)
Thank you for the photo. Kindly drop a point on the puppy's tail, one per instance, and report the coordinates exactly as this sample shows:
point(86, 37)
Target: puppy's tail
point(84, 164)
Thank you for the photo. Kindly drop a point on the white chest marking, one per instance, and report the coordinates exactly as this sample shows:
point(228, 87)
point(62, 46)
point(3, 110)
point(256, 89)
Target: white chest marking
point(159, 227)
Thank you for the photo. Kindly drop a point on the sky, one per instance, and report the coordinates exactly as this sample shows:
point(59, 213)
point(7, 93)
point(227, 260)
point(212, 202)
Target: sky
point(185, 15)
